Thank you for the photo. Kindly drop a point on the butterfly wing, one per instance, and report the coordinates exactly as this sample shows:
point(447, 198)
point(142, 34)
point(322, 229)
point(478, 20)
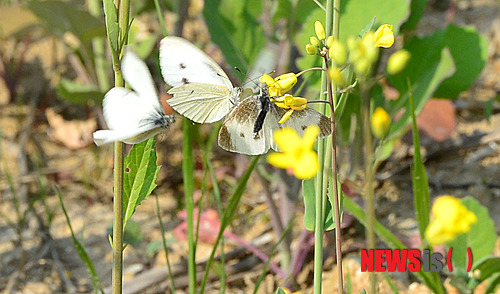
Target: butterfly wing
point(299, 120)
point(201, 90)
point(137, 74)
point(200, 102)
point(236, 133)
point(127, 116)
point(181, 63)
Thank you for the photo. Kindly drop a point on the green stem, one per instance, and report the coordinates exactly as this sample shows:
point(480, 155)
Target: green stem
point(188, 171)
point(123, 18)
point(164, 243)
point(99, 48)
point(161, 18)
point(369, 178)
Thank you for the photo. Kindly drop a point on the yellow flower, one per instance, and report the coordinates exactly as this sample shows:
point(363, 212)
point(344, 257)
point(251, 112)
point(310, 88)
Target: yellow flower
point(320, 30)
point(398, 61)
point(384, 36)
point(450, 218)
point(279, 85)
point(291, 103)
point(298, 154)
point(381, 122)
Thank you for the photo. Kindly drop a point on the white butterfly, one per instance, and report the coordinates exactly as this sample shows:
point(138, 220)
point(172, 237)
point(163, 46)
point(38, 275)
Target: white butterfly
point(250, 126)
point(133, 116)
point(201, 90)
point(203, 93)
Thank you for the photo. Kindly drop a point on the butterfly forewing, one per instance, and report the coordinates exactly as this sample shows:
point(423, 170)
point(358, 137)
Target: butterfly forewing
point(181, 62)
point(136, 73)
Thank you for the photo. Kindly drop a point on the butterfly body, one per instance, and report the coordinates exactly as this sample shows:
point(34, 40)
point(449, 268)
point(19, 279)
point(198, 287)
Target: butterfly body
point(249, 127)
point(133, 116)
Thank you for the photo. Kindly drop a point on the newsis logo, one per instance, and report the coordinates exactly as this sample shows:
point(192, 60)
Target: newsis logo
point(414, 260)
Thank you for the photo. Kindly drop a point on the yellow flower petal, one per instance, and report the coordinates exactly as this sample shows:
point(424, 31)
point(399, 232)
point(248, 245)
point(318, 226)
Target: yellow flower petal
point(384, 36)
point(287, 139)
point(450, 218)
point(310, 136)
point(267, 79)
point(281, 160)
point(307, 166)
point(286, 116)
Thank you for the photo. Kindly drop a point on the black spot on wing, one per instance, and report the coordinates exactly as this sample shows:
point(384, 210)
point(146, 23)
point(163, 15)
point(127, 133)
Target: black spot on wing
point(185, 81)
point(304, 128)
point(242, 135)
point(182, 66)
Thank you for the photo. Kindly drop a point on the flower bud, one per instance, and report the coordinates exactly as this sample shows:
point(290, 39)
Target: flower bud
point(315, 42)
point(381, 122)
point(384, 36)
point(362, 67)
point(336, 76)
point(320, 30)
point(398, 61)
point(338, 52)
point(311, 50)
point(329, 41)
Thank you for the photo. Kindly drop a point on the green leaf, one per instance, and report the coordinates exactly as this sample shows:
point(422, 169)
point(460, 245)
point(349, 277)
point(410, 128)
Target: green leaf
point(421, 198)
point(78, 93)
point(235, 28)
point(140, 176)
point(469, 59)
point(481, 237)
point(310, 208)
point(487, 267)
point(417, 11)
point(80, 249)
point(60, 17)
point(493, 284)
point(279, 291)
point(112, 28)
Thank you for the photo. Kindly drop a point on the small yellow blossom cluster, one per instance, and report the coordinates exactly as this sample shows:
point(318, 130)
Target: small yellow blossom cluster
point(450, 218)
point(361, 52)
point(278, 87)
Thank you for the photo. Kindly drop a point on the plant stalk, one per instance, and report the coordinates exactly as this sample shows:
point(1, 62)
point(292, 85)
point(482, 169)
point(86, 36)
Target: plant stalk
point(369, 178)
point(118, 172)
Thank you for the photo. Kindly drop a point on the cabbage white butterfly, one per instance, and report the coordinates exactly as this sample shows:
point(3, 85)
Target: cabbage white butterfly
point(133, 116)
point(201, 90)
point(249, 128)
point(203, 93)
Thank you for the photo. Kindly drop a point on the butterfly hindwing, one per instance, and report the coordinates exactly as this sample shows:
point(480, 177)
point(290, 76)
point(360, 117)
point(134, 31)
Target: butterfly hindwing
point(236, 133)
point(301, 119)
point(202, 103)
